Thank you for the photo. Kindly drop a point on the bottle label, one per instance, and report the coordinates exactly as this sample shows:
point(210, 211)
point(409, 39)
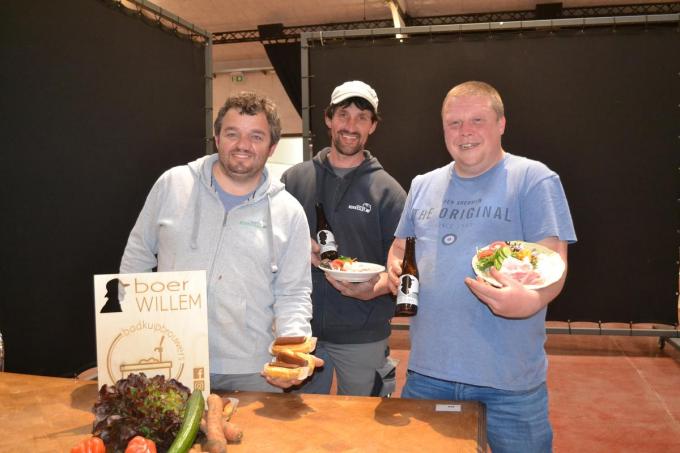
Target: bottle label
point(407, 292)
point(326, 241)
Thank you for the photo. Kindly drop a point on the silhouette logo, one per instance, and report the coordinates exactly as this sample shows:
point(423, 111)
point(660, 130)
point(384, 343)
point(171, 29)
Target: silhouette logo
point(406, 284)
point(323, 237)
point(115, 292)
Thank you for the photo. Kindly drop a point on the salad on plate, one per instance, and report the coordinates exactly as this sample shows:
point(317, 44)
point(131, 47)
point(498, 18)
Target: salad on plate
point(533, 265)
point(350, 270)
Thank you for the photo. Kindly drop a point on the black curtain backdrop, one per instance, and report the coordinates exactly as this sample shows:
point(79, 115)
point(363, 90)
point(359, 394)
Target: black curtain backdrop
point(96, 104)
point(285, 58)
point(599, 106)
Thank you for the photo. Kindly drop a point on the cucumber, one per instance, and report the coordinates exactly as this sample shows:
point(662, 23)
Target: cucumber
point(190, 425)
point(501, 255)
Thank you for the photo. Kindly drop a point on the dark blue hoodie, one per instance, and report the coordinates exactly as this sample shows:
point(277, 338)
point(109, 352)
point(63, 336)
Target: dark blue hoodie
point(363, 208)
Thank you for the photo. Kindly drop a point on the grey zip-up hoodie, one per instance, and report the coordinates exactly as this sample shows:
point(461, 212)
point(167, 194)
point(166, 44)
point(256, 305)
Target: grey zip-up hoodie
point(256, 257)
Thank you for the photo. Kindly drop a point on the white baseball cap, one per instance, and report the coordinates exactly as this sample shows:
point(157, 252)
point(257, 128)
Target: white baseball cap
point(355, 88)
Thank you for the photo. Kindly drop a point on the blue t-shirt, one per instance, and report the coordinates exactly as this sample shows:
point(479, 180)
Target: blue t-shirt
point(228, 200)
point(455, 336)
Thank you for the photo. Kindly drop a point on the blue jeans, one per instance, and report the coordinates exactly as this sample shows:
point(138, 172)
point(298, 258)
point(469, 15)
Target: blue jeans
point(517, 421)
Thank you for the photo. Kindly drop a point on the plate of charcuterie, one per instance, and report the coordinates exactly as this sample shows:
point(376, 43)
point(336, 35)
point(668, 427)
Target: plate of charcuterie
point(533, 265)
point(350, 270)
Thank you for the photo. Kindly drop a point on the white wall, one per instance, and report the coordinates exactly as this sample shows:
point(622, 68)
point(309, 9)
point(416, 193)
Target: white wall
point(288, 152)
point(264, 82)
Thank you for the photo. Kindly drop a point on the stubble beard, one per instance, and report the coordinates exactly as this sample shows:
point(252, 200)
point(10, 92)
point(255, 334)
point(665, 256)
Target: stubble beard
point(238, 170)
point(344, 150)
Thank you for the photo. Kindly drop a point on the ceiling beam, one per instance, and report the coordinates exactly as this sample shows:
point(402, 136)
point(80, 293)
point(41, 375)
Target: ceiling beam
point(397, 13)
point(397, 16)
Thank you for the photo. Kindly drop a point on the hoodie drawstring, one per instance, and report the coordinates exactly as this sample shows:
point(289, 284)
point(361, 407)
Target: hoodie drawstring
point(196, 224)
point(272, 245)
point(341, 189)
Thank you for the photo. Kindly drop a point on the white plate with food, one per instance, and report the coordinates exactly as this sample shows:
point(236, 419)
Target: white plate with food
point(350, 270)
point(533, 265)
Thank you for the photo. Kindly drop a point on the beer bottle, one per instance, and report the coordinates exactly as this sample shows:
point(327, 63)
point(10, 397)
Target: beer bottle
point(324, 235)
point(407, 293)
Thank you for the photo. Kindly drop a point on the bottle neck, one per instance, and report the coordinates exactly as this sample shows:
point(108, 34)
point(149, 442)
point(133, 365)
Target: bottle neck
point(409, 262)
point(321, 221)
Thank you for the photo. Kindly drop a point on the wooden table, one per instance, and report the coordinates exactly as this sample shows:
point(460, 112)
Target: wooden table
point(44, 414)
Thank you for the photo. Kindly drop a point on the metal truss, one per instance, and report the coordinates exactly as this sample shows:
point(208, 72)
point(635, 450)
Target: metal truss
point(292, 34)
point(163, 19)
point(622, 10)
point(510, 16)
point(507, 16)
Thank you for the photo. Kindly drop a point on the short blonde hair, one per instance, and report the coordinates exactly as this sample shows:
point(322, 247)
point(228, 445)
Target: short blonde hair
point(475, 88)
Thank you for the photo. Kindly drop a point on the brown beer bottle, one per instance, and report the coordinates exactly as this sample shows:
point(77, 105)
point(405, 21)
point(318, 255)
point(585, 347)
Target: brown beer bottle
point(407, 292)
point(324, 235)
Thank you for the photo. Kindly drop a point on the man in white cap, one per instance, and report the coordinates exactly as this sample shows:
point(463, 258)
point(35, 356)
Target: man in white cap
point(362, 203)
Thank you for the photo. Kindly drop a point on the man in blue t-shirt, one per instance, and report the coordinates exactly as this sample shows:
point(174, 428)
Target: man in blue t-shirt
point(470, 340)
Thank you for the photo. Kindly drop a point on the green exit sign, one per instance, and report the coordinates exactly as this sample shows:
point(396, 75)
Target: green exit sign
point(237, 78)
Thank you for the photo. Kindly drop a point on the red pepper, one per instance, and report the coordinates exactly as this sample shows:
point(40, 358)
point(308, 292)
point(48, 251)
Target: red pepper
point(139, 444)
point(90, 445)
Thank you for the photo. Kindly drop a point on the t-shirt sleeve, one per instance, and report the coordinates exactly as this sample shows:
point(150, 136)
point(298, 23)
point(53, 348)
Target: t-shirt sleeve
point(545, 211)
point(406, 226)
point(391, 208)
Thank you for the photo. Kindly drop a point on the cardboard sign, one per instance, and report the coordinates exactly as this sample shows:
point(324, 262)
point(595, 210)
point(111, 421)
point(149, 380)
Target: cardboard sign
point(153, 323)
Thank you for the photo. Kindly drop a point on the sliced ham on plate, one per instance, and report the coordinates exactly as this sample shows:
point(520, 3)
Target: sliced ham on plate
point(521, 271)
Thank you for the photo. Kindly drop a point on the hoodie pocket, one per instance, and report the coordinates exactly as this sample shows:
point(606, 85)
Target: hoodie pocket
point(228, 327)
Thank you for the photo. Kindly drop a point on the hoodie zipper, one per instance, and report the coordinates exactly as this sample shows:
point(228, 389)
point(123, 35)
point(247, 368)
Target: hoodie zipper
point(341, 189)
point(218, 247)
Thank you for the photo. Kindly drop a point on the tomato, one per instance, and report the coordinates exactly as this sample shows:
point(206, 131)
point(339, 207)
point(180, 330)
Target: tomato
point(90, 445)
point(496, 245)
point(484, 253)
point(138, 444)
point(337, 264)
point(490, 249)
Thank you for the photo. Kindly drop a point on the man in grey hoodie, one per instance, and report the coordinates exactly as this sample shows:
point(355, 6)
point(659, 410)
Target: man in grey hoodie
point(363, 204)
point(224, 214)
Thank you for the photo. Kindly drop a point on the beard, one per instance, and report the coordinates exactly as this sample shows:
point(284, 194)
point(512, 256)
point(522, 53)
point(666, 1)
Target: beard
point(241, 169)
point(346, 150)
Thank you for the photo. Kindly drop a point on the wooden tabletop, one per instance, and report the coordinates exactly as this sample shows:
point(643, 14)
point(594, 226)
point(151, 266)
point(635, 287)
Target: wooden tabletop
point(45, 414)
